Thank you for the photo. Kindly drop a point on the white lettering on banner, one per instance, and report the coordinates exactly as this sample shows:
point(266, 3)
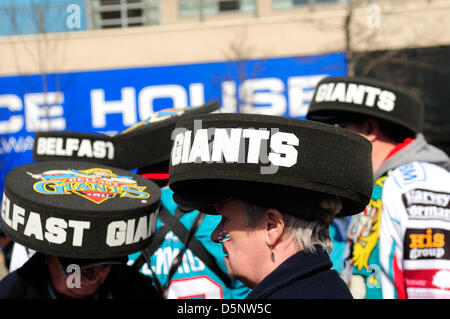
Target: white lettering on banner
point(229, 101)
point(126, 106)
point(148, 94)
point(19, 145)
point(196, 94)
point(356, 94)
point(300, 92)
point(146, 97)
point(260, 95)
point(230, 146)
point(15, 122)
point(81, 148)
point(268, 91)
point(44, 111)
point(55, 230)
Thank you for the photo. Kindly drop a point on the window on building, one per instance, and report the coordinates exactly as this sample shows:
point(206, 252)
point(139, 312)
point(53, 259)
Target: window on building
point(123, 13)
point(286, 4)
point(202, 8)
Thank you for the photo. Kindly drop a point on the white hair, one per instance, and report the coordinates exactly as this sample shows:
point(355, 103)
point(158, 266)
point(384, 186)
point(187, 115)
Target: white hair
point(307, 233)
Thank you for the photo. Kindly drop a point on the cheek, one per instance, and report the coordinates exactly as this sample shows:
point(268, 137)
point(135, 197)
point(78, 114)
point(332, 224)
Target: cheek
point(242, 246)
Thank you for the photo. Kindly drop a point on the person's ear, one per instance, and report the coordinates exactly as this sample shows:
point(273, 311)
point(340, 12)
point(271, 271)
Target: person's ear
point(274, 226)
point(370, 129)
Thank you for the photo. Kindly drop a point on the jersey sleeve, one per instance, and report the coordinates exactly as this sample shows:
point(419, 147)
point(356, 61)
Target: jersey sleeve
point(415, 232)
point(392, 230)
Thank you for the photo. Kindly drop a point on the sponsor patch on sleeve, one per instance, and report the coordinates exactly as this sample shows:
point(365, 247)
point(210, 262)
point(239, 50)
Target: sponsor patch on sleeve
point(427, 204)
point(429, 243)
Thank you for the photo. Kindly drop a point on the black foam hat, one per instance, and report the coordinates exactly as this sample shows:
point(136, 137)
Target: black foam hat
point(144, 144)
point(271, 161)
point(337, 98)
point(79, 209)
point(148, 142)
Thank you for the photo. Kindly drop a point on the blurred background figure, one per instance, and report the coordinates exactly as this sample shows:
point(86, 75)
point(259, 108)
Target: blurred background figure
point(397, 247)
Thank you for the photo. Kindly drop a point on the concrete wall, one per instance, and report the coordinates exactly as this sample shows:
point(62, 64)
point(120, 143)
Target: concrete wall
point(264, 33)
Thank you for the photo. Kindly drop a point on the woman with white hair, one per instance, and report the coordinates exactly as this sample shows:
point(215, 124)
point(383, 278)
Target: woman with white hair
point(276, 206)
point(267, 250)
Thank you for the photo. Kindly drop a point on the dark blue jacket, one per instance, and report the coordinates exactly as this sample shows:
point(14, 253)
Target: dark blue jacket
point(304, 275)
point(32, 279)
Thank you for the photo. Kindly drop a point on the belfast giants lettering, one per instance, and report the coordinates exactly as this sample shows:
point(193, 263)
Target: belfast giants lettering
point(230, 147)
point(58, 230)
point(357, 94)
point(128, 232)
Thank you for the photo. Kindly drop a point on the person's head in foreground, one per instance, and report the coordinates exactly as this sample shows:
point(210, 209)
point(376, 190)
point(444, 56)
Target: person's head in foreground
point(83, 220)
point(278, 183)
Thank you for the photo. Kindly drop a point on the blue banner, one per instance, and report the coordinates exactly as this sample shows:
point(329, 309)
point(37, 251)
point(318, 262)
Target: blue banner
point(110, 101)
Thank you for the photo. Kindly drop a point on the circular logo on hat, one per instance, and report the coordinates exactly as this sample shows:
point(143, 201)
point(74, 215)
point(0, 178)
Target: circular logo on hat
point(79, 209)
point(94, 184)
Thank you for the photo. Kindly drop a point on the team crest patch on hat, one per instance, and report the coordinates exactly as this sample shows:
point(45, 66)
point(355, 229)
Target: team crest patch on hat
point(94, 184)
point(79, 209)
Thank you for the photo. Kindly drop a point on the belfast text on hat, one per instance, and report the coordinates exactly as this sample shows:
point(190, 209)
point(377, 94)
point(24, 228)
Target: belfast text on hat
point(60, 146)
point(55, 229)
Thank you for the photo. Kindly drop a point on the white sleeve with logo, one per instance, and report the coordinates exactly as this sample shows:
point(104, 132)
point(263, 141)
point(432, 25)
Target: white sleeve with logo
point(415, 232)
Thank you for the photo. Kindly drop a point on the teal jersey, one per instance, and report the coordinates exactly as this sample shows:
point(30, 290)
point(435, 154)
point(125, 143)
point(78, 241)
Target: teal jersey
point(193, 279)
point(361, 270)
point(337, 234)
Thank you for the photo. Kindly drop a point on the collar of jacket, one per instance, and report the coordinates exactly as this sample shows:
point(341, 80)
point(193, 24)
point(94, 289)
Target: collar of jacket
point(300, 265)
point(417, 150)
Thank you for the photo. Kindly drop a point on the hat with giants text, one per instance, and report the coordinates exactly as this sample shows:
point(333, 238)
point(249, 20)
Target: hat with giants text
point(338, 98)
point(268, 160)
point(79, 209)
